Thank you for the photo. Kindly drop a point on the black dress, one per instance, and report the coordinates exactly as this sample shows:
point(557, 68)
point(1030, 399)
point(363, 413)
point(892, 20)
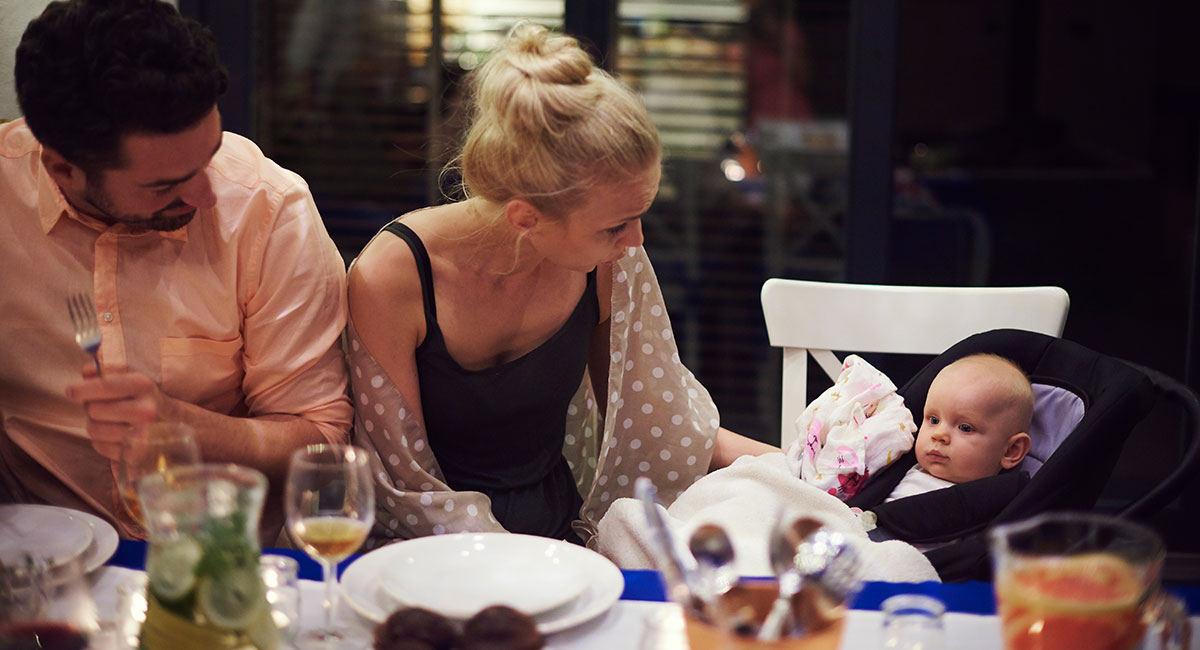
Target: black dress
point(500, 430)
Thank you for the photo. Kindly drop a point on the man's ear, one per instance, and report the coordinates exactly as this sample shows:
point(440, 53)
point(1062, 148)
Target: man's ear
point(522, 216)
point(1018, 446)
point(69, 176)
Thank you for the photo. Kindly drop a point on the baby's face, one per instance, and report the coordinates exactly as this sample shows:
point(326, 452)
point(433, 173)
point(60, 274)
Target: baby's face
point(967, 425)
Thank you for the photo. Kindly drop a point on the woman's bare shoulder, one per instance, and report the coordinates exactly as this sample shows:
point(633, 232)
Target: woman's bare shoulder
point(388, 261)
point(384, 283)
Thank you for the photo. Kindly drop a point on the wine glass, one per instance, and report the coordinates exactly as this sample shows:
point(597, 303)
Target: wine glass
point(330, 504)
point(165, 446)
point(45, 604)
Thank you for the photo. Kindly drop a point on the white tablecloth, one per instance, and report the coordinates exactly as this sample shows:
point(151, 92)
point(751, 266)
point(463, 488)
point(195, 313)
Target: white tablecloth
point(628, 625)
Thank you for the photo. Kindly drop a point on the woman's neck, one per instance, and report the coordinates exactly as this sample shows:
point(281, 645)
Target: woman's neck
point(491, 246)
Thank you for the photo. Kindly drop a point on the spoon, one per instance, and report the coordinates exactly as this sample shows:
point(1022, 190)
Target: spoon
point(714, 556)
point(785, 556)
point(829, 561)
point(829, 567)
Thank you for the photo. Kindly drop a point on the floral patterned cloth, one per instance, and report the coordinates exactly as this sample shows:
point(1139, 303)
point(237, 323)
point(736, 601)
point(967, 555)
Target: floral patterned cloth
point(853, 430)
point(660, 423)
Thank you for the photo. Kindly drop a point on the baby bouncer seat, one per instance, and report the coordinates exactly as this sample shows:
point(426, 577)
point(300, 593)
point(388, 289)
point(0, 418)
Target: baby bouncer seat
point(1086, 405)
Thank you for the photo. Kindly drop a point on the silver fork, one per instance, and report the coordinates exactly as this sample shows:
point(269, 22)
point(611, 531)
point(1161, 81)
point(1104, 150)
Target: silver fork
point(87, 330)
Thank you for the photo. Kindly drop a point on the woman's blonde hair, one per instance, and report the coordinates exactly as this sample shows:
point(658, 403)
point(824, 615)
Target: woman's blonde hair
point(546, 124)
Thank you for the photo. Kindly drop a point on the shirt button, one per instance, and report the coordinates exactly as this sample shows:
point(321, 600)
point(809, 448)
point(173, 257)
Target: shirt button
point(108, 316)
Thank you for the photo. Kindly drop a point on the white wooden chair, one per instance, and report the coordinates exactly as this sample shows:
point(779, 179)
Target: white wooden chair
point(817, 318)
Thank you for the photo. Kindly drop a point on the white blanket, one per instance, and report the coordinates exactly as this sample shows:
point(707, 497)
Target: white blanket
point(854, 429)
point(747, 499)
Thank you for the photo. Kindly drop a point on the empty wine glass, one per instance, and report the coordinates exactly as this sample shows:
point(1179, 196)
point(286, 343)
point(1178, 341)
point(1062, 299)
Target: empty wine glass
point(330, 504)
point(163, 447)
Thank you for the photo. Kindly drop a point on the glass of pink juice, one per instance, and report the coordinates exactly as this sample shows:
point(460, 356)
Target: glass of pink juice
point(1074, 580)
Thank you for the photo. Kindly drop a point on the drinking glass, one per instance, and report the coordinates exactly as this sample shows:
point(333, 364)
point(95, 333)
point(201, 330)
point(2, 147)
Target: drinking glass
point(46, 605)
point(165, 446)
point(913, 622)
point(1075, 580)
point(281, 576)
point(130, 612)
point(330, 504)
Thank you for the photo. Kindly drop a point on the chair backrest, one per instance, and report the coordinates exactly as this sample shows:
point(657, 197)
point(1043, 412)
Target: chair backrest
point(805, 317)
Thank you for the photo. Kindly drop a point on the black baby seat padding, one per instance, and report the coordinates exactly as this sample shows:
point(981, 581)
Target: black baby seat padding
point(1116, 397)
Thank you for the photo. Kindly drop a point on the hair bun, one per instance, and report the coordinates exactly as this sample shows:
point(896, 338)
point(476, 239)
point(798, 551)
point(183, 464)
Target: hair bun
point(546, 123)
point(545, 58)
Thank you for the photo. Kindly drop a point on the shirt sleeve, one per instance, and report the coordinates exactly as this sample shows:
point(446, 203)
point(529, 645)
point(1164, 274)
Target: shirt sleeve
point(295, 314)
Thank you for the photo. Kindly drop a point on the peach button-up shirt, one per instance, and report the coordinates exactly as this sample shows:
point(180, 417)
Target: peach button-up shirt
point(240, 312)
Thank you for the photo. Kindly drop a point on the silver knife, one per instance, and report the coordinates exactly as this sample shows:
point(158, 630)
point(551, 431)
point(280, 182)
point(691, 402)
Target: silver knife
point(679, 570)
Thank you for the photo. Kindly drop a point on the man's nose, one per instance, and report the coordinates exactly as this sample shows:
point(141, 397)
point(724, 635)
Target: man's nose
point(198, 192)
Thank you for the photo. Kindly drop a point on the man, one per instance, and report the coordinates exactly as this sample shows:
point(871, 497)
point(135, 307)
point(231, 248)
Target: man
point(219, 295)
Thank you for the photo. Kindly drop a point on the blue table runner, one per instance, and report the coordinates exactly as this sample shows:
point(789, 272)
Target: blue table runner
point(642, 584)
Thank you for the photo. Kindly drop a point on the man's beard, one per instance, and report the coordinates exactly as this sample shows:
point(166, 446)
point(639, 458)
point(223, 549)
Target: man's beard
point(157, 221)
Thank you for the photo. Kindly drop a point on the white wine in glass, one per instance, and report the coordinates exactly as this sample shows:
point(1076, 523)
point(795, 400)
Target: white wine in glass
point(332, 538)
point(330, 503)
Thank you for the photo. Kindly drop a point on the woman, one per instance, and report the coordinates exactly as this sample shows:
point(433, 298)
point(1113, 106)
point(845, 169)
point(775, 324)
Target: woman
point(473, 323)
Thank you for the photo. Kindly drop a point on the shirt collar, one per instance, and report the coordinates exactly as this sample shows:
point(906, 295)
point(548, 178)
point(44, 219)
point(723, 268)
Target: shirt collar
point(53, 206)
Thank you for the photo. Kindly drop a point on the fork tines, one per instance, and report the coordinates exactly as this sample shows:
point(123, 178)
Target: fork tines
point(87, 329)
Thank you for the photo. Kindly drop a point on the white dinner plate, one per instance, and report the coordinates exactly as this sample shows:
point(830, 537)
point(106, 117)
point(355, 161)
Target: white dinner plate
point(601, 579)
point(54, 534)
point(459, 575)
point(102, 537)
point(104, 540)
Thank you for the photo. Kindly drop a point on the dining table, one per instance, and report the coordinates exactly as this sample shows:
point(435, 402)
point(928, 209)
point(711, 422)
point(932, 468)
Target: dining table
point(643, 618)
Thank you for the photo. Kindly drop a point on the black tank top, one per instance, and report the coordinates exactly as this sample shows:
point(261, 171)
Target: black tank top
point(500, 430)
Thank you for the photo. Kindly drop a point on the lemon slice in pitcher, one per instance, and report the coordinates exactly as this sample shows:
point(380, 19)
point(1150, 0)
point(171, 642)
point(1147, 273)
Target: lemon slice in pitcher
point(171, 568)
point(230, 600)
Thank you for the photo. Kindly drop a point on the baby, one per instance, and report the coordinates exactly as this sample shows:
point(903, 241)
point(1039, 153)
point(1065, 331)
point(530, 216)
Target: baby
point(976, 423)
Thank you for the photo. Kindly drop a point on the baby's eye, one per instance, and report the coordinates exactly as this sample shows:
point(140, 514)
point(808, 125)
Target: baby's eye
point(933, 419)
point(966, 428)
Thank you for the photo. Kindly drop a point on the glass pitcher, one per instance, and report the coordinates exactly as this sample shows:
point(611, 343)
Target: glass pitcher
point(204, 589)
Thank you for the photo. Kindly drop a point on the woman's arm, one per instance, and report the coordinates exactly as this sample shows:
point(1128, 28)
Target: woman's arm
point(388, 311)
point(730, 446)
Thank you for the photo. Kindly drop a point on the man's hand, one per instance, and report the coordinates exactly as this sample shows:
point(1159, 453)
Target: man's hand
point(119, 405)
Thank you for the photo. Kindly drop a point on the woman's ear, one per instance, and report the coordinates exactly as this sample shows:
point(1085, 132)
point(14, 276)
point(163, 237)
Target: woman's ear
point(1018, 446)
point(522, 216)
point(70, 177)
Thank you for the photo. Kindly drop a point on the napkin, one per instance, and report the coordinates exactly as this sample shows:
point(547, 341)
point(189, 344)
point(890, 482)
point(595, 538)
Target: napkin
point(747, 499)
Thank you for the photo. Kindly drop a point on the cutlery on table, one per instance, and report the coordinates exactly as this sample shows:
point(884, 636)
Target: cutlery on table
point(786, 558)
point(678, 569)
point(714, 555)
point(829, 567)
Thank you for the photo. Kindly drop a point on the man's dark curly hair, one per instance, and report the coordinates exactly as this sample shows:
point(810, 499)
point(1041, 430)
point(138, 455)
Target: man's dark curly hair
point(91, 71)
